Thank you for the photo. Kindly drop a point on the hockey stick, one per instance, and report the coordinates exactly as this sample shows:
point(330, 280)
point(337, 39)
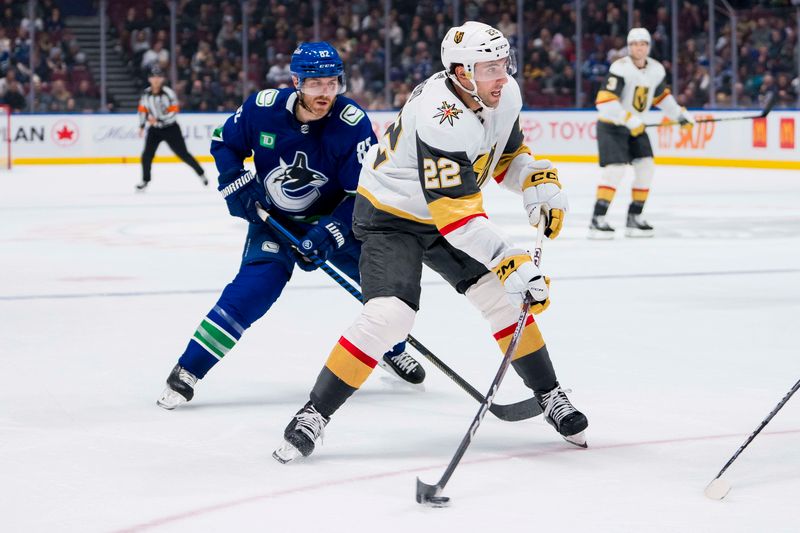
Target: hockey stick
point(719, 488)
point(510, 413)
point(431, 494)
point(770, 103)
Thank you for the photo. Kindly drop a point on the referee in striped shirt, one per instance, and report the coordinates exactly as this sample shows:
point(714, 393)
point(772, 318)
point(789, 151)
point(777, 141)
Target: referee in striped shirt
point(158, 108)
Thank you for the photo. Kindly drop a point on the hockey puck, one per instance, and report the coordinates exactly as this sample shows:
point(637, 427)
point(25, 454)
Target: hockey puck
point(717, 489)
point(437, 501)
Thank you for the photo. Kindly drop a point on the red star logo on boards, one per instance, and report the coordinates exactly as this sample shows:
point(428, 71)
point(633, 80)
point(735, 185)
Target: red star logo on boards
point(447, 112)
point(65, 134)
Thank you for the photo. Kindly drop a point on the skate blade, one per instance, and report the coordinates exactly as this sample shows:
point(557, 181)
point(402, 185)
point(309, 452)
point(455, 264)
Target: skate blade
point(597, 235)
point(388, 368)
point(286, 453)
point(578, 439)
point(170, 399)
point(637, 233)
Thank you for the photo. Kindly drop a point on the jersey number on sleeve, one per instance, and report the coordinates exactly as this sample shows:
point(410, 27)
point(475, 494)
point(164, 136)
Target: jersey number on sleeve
point(441, 173)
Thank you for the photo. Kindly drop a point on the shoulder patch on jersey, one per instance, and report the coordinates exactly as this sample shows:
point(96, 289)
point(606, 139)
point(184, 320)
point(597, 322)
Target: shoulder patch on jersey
point(217, 134)
point(351, 115)
point(266, 97)
point(448, 112)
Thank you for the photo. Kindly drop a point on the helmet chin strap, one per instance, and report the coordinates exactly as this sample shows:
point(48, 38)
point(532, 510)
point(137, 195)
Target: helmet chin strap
point(473, 93)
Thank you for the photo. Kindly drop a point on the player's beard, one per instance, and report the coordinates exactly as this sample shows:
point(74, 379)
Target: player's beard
point(319, 106)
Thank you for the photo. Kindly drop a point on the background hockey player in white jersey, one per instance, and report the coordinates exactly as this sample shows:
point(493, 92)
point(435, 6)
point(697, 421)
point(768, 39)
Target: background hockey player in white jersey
point(419, 201)
point(634, 84)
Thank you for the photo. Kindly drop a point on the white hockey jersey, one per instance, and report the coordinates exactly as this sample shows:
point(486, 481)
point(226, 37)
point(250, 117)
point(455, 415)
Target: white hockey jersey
point(629, 89)
point(432, 162)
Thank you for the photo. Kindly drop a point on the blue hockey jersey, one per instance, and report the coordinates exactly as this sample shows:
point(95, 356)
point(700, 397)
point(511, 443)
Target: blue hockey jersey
point(307, 169)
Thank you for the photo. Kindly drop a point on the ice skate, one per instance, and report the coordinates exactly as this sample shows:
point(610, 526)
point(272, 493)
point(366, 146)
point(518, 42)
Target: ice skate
point(599, 228)
point(140, 187)
point(179, 390)
point(560, 413)
point(404, 367)
point(302, 433)
point(638, 227)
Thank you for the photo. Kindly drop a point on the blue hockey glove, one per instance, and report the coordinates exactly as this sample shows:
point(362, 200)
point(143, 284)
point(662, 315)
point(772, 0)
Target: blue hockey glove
point(305, 263)
point(328, 235)
point(241, 190)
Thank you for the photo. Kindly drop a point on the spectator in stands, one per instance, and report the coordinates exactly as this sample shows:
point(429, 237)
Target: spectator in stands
point(13, 97)
point(7, 80)
point(60, 96)
point(85, 99)
point(157, 55)
point(279, 74)
point(53, 23)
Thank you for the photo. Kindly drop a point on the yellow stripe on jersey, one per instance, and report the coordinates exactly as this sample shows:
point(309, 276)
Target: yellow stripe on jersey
point(377, 204)
point(506, 159)
point(661, 96)
point(446, 211)
point(347, 367)
point(605, 96)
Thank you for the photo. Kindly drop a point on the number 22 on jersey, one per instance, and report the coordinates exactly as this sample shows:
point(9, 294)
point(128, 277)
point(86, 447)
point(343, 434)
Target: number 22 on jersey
point(442, 173)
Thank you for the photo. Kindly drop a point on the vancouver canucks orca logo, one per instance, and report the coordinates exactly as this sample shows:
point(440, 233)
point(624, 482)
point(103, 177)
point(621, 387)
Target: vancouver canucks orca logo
point(294, 187)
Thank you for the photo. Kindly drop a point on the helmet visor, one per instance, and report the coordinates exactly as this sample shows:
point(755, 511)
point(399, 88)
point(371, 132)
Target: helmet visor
point(330, 86)
point(496, 68)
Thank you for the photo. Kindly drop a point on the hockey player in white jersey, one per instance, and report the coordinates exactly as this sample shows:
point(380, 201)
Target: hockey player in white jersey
point(419, 202)
point(634, 84)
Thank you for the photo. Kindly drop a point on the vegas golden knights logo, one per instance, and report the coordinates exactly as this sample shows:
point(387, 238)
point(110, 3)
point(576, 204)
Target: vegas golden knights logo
point(458, 36)
point(640, 98)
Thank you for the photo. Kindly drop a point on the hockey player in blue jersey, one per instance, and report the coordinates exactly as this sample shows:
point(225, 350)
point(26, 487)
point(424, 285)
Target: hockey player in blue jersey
point(307, 144)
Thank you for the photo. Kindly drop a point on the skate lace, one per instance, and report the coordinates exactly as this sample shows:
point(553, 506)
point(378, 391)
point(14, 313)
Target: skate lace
point(405, 362)
point(311, 423)
point(187, 377)
point(557, 405)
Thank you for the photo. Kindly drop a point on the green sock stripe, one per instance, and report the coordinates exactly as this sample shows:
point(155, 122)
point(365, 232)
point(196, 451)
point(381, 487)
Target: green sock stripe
point(218, 334)
point(204, 342)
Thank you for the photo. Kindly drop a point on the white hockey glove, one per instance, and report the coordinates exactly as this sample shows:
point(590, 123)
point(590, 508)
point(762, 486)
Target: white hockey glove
point(521, 277)
point(686, 119)
point(634, 124)
point(541, 191)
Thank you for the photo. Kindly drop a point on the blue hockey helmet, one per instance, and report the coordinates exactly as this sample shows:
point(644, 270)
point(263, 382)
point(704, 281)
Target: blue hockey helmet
point(317, 60)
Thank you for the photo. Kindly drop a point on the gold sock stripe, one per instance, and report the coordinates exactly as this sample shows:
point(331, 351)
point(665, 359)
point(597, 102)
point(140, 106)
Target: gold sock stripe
point(347, 366)
point(640, 195)
point(606, 193)
point(530, 342)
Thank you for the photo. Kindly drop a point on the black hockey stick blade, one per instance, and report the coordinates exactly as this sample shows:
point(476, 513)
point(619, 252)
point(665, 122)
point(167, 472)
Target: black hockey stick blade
point(431, 495)
point(514, 412)
point(769, 104)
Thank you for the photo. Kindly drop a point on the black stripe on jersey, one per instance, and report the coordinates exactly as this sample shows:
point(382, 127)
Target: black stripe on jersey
point(660, 89)
point(614, 84)
point(515, 140)
point(444, 174)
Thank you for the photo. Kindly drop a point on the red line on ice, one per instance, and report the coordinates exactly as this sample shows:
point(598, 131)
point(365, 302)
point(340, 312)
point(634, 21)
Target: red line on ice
point(332, 483)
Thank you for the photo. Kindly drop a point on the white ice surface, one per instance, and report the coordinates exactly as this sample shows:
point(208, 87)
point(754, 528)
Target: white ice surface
point(676, 348)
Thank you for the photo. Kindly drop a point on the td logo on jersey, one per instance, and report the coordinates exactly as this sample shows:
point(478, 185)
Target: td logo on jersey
point(294, 187)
